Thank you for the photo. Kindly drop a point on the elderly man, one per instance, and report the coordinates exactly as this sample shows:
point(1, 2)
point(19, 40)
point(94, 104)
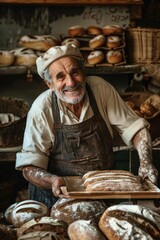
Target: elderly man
point(69, 127)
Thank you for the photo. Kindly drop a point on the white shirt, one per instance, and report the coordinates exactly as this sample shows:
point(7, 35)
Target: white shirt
point(39, 133)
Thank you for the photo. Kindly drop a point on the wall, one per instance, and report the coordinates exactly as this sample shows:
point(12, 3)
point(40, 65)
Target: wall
point(38, 20)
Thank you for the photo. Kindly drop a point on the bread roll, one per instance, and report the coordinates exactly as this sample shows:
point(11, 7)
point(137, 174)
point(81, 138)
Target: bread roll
point(84, 229)
point(112, 29)
point(95, 57)
point(97, 41)
point(124, 221)
point(114, 56)
point(76, 31)
point(27, 210)
point(6, 58)
point(147, 109)
point(94, 30)
point(70, 210)
point(24, 56)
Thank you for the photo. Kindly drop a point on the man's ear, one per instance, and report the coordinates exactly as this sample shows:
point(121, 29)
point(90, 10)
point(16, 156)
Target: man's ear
point(50, 85)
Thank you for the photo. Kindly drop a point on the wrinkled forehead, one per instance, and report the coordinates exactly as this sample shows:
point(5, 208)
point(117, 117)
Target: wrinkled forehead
point(65, 64)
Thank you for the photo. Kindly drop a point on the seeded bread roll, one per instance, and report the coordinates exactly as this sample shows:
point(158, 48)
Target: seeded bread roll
point(85, 229)
point(123, 221)
point(70, 210)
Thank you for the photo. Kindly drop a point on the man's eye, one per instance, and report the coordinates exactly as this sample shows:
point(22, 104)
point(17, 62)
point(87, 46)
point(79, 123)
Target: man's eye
point(75, 72)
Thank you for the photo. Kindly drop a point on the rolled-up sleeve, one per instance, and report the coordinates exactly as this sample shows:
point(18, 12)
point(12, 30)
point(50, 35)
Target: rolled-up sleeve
point(34, 159)
point(130, 132)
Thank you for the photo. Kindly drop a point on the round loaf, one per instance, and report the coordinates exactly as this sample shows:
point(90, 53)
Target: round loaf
point(95, 57)
point(40, 43)
point(114, 57)
point(70, 210)
point(123, 221)
point(73, 41)
point(85, 229)
point(6, 58)
point(112, 29)
point(97, 42)
point(76, 31)
point(113, 41)
point(27, 210)
point(93, 30)
point(43, 224)
point(8, 212)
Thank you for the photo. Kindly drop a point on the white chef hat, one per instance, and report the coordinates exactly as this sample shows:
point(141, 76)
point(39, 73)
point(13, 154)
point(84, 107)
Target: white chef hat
point(55, 53)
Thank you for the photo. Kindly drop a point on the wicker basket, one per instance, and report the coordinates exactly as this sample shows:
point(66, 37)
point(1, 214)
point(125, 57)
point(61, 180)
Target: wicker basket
point(143, 45)
point(11, 134)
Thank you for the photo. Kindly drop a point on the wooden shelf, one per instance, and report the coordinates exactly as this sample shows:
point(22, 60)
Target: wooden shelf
point(75, 2)
point(123, 69)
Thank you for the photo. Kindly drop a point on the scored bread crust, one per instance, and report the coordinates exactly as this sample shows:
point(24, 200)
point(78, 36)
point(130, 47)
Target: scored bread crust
point(27, 210)
point(97, 172)
point(125, 220)
point(43, 224)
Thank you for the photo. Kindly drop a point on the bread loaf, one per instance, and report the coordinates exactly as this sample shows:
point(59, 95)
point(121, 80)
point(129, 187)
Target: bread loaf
point(45, 235)
point(43, 224)
point(112, 180)
point(123, 221)
point(27, 210)
point(6, 58)
point(70, 210)
point(85, 229)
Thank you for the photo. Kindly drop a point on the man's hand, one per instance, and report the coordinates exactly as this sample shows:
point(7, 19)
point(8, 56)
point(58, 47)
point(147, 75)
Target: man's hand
point(148, 170)
point(57, 183)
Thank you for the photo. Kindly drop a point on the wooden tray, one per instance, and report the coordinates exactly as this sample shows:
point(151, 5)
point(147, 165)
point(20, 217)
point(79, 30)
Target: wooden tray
point(74, 189)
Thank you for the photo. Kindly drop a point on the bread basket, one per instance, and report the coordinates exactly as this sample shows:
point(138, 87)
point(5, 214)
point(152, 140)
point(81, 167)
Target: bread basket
point(11, 133)
point(143, 45)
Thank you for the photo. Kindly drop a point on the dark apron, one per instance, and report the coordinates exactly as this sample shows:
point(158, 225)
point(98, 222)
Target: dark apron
point(78, 148)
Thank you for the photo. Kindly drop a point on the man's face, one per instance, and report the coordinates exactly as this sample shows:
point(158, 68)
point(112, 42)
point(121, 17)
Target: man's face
point(68, 80)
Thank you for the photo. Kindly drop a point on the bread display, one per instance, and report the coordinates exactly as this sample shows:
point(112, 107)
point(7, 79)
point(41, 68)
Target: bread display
point(147, 109)
point(43, 224)
point(95, 57)
point(70, 210)
point(40, 43)
point(85, 229)
point(25, 211)
point(6, 58)
point(124, 221)
point(112, 181)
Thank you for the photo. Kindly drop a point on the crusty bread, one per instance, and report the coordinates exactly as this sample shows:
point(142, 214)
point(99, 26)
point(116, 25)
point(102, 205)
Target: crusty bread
point(44, 235)
point(85, 229)
point(43, 224)
point(112, 180)
point(6, 58)
point(70, 210)
point(123, 221)
point(27, 210)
